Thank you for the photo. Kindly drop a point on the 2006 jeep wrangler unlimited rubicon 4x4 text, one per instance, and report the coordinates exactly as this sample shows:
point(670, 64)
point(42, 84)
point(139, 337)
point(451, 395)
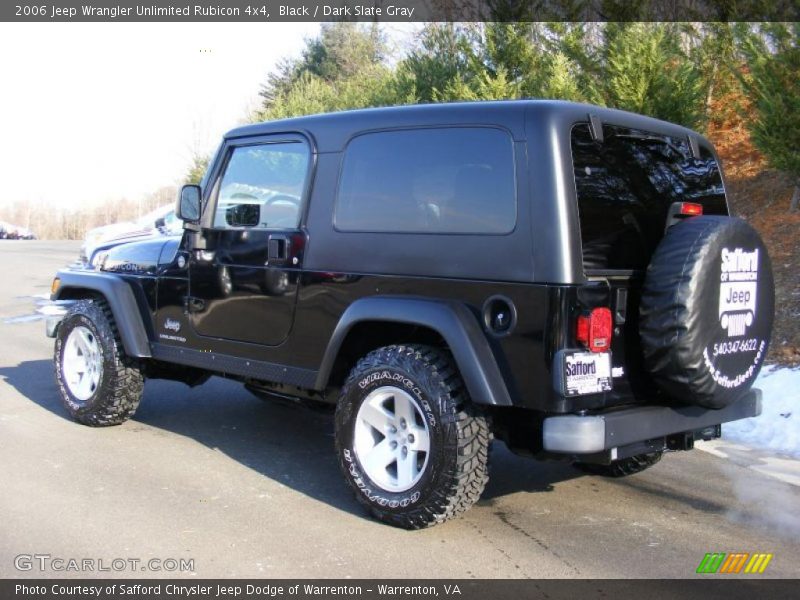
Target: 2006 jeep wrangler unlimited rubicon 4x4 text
point(563, 277)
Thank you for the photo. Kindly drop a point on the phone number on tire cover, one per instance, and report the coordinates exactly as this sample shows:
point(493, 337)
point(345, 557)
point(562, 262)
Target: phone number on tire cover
point(735, 347)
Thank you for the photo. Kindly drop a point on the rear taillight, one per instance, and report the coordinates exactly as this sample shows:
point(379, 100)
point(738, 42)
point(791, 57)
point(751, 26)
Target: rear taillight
point(593, 330)
point(690, 209)
point(678, 211)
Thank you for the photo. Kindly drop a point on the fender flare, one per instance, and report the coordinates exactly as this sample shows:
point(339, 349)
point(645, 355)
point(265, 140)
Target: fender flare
point(452, 320)
point(120, 298)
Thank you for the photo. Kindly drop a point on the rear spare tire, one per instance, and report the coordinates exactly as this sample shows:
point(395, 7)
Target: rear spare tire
point(706, 311)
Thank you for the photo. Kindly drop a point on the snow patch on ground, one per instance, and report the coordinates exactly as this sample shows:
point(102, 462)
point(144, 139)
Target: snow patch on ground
point(777, 429)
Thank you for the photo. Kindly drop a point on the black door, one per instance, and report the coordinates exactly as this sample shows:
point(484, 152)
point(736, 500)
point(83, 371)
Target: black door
point(242, 286)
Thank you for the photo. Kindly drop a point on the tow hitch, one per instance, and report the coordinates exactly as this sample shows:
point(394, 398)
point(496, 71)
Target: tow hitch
point(685, 440)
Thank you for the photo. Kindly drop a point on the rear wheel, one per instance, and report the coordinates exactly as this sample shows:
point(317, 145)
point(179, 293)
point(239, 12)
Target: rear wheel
point(410, 444)
point(623, 467)
point(98, 383)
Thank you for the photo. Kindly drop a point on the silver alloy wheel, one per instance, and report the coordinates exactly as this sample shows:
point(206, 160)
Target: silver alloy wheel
point(391, 440)
point(81, 363)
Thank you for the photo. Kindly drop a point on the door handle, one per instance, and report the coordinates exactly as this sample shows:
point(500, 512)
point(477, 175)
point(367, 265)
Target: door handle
point(277, 249)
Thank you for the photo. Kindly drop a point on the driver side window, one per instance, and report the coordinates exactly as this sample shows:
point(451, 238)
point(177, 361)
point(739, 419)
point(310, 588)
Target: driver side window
point(262, 187)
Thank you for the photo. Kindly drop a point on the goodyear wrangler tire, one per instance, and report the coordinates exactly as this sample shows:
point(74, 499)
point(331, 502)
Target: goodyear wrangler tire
point(410, 444)
point(706, 311)
point(99, 385)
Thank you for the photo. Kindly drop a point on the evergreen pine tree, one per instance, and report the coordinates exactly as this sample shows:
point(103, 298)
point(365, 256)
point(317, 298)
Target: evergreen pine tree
point(772, 55)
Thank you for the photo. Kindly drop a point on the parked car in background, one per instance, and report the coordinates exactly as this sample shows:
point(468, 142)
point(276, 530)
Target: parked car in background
point(8, 231)
point(161, 221)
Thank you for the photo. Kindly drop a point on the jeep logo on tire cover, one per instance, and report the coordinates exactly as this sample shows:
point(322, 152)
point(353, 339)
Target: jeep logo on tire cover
point(738, 290)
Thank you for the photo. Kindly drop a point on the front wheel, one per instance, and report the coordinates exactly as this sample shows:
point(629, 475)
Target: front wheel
point(98, 383)
point(409, 442)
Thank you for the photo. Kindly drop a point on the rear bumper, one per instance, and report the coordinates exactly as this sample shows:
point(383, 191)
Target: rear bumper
point(575, 434)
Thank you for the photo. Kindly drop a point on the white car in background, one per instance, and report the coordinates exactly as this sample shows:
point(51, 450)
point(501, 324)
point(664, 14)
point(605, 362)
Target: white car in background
point(161, 221)
point(9, 231)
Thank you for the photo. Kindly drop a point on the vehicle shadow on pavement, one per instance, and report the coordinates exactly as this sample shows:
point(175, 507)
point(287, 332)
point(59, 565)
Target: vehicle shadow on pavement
point(35, 380)
point(510, 474)
point(289, 444)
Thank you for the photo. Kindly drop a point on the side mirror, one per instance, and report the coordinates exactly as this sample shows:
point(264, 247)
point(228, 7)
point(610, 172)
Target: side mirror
point(161, 222)
point(188, 207)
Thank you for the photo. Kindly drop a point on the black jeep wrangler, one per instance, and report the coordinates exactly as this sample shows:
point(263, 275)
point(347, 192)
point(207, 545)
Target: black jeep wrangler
point(563, 277)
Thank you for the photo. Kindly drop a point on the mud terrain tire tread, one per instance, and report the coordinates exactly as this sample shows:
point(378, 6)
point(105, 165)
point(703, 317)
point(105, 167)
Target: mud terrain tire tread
point(466, 431)
point(121, 383)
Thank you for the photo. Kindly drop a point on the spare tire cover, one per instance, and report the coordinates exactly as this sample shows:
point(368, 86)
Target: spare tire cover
point(706, 311)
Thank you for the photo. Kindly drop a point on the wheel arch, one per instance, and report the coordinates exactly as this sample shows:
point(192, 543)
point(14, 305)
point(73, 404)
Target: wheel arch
point(418, 320)
point(77, 285)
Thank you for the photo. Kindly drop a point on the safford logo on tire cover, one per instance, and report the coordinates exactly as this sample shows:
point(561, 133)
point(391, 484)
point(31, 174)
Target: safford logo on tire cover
point(738, 290)
point(738, 294)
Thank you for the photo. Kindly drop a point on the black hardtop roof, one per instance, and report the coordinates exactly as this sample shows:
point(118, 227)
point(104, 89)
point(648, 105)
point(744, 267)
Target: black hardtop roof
point(332, 130)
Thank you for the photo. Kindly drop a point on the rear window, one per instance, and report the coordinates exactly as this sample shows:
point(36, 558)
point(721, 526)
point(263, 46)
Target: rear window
point(625, 186)
point(446, 180)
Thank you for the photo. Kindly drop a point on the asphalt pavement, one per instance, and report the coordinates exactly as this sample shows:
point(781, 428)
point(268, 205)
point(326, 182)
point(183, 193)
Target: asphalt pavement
point(247, 488)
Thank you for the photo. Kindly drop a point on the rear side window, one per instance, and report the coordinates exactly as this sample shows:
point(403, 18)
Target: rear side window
point(625, 186)
point(448, 180)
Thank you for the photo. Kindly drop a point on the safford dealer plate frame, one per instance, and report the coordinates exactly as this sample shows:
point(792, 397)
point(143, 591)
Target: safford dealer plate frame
point(586, 373)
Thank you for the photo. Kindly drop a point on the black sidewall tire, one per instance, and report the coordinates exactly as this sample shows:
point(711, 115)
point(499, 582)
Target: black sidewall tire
point(76, 406)
point(441, 456)
point(119, 387)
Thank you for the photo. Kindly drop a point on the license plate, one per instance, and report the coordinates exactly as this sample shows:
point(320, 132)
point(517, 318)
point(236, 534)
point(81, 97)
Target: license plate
point(587, 373)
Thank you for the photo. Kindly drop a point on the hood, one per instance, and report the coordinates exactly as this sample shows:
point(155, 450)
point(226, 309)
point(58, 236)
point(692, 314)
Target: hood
point(141, 258)
point(94, 255)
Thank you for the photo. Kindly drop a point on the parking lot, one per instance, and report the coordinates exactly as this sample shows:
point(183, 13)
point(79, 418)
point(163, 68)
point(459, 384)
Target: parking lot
point(245, 488)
